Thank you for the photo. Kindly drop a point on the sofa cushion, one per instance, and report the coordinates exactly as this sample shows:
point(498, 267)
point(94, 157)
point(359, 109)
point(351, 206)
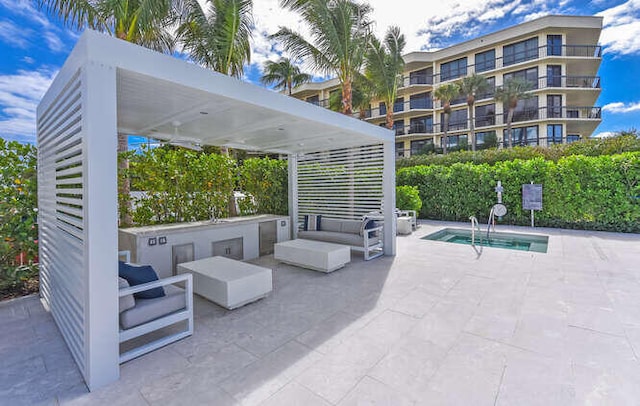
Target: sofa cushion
point(328, 224)
point(330, 236)
point(312, 222)
point(368, 224)
point(125, 302)
point(351, 226)
point(139, 274)
point(147, 310)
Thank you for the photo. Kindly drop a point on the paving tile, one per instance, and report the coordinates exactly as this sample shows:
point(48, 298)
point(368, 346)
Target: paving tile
point(595, 349)
point(294, 394)
point(332, 331)
point(602, 319)
point(409, 366)
point(258, 381)
point(371, 392)
point(444, 323)
point(604, 386)
point(534, 380)
point(416, 303)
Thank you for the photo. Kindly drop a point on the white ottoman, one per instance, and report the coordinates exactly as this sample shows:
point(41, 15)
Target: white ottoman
point(315, 255)
point(404, 226)
point(228, 282)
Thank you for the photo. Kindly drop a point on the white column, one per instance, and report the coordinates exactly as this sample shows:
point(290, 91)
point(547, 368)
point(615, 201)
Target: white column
point(293, 194)
point(101, 225)
point(389, 199)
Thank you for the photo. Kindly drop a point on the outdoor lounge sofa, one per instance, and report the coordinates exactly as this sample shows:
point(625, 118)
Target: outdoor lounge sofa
point(360, 235)
point(141, 316)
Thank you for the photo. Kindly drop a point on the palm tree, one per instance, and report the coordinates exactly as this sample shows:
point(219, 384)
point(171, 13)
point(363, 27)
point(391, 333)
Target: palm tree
point(361, 95)
point(383, 67)
point(339, 31)
point(509, 94)
point(471, 86)
point(218, 39)
point(284, 75)
point(142, 22)
point(445, 93)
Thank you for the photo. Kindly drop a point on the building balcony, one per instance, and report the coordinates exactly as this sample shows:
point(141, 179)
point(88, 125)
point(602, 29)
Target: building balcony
point(545, 51)
point(566, 113)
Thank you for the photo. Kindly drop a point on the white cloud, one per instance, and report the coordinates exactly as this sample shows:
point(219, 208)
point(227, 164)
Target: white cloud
point(605, 134)
point(27, 10)
point(621, 108)
point(20, 94)
point(13, 35)
point(621, 28)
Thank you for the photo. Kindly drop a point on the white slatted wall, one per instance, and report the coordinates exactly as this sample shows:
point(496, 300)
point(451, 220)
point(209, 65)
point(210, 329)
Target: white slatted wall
point(61, 200)
point(341, 183)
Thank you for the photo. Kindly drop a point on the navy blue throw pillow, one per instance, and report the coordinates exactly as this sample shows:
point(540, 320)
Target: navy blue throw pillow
point(137, 275)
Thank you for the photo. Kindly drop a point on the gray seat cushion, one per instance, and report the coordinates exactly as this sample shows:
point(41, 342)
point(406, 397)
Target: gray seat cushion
point(351, 226)
point(328, 224)
point(125, 302)
point(330, 236)
point(147, 310)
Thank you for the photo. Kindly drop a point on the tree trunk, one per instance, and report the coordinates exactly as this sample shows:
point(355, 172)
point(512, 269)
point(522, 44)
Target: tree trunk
point(347, 100)
point(509, 118)
point(472, 128)
point(389, 118)
point(445, 130)
point(289, 86)
point(124, 187)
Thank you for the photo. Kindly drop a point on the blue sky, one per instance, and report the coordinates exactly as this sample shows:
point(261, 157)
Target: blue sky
point(34, 46)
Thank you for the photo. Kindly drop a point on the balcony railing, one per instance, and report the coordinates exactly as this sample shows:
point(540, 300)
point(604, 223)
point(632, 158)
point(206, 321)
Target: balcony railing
point(544, 51)
point(432, 148)
point(485, 121)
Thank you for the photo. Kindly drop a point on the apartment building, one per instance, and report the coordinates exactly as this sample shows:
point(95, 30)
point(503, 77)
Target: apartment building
point(559, 55)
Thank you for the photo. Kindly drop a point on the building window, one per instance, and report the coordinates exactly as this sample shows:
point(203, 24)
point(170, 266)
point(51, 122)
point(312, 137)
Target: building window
point(522, 136)
point(485, 115)
point(486, 139)
point(530, 75)
point(554, 76)
point(491, 89)
point(554, 45)
point(457, 120)
point(421, 125)
point(422, 146)
point(421, 77)
point(382, 108)
point(526, 110)
point(455, 141)
point(572, 138)
point(398, 127)
point(399, 149)
point(398, 105)
point(453, 69)
point(520, 51)
point(485, 61)
point(313, 100)
point(554, 134)
point(554, 106)
point(420, 101)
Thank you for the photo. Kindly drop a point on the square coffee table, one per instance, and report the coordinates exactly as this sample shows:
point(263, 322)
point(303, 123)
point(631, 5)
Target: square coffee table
point(316, 255)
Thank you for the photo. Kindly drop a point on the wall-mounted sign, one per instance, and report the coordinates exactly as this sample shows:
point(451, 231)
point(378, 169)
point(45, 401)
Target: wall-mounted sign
point(531, 197)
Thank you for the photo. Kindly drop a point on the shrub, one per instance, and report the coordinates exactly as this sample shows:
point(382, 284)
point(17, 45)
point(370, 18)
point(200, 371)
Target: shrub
point(179, 185)
point(586, 192)
point(266, 182)
point(408, 198)
point(591, 147)
point(18, 213)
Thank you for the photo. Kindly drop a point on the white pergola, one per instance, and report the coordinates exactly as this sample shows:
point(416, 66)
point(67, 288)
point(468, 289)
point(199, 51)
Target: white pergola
point(108, 86)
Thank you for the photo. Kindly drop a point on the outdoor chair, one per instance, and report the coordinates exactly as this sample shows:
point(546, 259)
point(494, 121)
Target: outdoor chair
point(141, 316)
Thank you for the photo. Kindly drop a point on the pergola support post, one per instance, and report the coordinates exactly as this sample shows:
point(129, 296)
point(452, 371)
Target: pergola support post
point(389, 199)
point(293, 194)
point(101, 226)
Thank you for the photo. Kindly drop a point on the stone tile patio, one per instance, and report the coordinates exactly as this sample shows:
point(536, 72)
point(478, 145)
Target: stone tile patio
point(434, 325)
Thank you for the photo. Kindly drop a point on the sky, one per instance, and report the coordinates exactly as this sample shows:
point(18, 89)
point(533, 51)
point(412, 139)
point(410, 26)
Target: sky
point(34, 45)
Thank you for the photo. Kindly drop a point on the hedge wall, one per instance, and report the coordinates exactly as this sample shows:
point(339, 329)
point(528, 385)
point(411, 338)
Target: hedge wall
point(596, 193)
point(629, 142)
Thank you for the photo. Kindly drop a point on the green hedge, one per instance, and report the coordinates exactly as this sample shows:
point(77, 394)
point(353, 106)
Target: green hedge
point(597, 193)
point(592, 147)
point(266, 181)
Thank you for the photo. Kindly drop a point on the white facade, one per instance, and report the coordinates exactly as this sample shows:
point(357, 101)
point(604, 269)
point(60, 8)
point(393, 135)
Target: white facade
point(109, 86)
